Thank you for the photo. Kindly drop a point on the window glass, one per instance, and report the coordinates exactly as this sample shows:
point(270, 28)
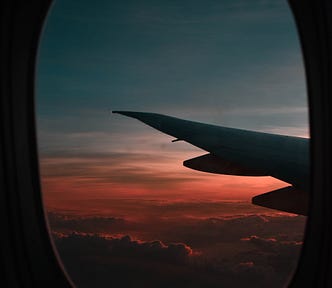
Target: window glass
point(122, 208)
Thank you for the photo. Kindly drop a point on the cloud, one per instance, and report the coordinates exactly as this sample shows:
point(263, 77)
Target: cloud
point(95, 261)
point(260, 241)
point(156, 250)
point(124, 247)
point(92, 259)
point(229, 251)
point(179, 220)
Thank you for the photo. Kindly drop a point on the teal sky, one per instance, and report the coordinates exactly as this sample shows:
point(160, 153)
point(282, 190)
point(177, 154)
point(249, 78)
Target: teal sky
point(234, 63)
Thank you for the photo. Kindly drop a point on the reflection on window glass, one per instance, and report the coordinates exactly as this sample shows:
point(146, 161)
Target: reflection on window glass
point(123, 210)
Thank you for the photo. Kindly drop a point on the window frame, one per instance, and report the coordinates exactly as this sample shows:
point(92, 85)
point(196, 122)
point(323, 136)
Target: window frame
point(28, 254)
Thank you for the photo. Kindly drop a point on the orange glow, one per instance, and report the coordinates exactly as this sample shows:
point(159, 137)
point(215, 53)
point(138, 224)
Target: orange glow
point(143, 174)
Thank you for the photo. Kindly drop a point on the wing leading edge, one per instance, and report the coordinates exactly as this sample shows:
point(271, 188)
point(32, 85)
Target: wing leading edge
point(242, 152)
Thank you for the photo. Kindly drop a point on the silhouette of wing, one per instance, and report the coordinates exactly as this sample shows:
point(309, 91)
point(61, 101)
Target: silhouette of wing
point(242, 152)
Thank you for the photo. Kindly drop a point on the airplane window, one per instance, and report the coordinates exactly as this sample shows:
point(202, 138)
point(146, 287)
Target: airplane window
point(122, 206)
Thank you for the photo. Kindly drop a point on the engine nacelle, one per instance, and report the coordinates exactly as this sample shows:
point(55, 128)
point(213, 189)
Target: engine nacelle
point(214, 164)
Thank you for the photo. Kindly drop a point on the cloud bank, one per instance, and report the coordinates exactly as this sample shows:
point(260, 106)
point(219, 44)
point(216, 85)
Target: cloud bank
point(230, 251)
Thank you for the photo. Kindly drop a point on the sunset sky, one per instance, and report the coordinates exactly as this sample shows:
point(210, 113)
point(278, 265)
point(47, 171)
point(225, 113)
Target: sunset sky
point(231, 63)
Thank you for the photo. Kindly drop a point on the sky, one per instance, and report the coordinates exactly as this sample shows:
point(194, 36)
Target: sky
point(230, 63)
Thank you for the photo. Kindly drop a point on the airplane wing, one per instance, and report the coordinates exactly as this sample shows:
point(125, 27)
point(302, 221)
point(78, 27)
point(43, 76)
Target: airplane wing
point(245, 153)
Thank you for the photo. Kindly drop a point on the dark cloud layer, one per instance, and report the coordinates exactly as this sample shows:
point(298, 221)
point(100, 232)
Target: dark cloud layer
point(125, 247)
point(95, 261)
point(239, 251)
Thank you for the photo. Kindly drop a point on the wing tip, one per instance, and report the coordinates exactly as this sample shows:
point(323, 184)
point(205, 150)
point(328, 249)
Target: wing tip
point(122, 112)
point(132, 114)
